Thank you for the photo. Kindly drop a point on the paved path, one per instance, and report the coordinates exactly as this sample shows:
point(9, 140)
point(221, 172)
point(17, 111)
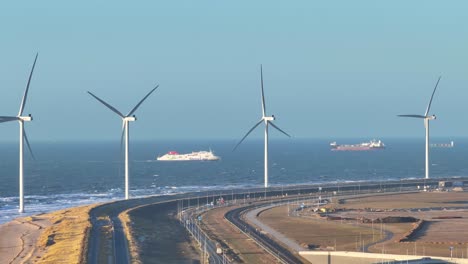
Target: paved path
point(11, 243)
point(93, 242)
point(190, 220)
point(119, 252)
point(17, 241)
point(388, 235)
point(121, 255)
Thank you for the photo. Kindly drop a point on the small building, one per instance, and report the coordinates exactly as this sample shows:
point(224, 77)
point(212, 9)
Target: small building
point(442, 184)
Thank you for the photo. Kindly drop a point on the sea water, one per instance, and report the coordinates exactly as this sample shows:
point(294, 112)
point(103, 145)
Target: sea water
point(67, 174)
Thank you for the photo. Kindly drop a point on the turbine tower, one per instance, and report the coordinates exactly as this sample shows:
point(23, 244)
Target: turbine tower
point(22, 137)
point(426, 117)
point(125, 131)
point(267, 120)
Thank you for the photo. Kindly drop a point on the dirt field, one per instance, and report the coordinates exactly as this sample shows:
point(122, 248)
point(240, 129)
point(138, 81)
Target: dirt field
point(246, 251)
point(314, 231)
point(409, 200)
point(445, 224)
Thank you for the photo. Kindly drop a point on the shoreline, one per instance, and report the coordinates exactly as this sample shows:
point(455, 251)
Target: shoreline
point(83, 215)
point(41, 236)
point(72, 200)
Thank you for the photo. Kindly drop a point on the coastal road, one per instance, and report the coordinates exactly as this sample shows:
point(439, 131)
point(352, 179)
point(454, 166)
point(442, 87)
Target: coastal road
point(120, 252)
point(121, 255)
point(250, 213)
point(119, 249)
point(252, 217)
point(234, 216)
point(104, 220)
point(93, 241)
point(190, 221)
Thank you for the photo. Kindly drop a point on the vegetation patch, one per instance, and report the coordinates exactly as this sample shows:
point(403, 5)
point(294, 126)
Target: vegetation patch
point(391, 220)
point(65, 241)
point(156, 236)
point(132, 240)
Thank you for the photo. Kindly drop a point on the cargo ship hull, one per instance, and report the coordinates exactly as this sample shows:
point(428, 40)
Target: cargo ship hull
point(371, 145)
point(343, 148)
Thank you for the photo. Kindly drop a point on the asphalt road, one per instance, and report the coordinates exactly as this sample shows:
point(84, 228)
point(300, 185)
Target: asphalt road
point(93, 243)
point(234, 216)
point(120, 253)
point(190, 220)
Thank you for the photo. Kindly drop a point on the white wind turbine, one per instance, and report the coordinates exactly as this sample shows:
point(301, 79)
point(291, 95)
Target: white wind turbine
point(426, 118)
point(268, 120)
point(125, 130)
point(22, 137)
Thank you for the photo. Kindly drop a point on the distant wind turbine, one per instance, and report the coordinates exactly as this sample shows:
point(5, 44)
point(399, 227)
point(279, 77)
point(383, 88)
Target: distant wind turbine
point(22, 137)
point(268, 120)
point(125, 130)
point(426, 118)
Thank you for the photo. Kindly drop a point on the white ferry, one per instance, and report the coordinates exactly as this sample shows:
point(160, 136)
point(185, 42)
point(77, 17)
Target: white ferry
point(199, 155)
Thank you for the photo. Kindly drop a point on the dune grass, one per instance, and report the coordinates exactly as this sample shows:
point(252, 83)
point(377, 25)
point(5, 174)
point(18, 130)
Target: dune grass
point(65, 241)
point(132, 245)
point(156, 236)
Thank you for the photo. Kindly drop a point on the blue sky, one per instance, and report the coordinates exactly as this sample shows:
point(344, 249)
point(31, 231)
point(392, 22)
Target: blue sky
point(331, 68)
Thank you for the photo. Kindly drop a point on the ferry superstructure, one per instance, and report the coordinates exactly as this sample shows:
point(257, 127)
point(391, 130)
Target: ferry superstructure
point(194, 156)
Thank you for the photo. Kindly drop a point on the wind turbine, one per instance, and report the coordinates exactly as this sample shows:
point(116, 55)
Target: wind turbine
point(125, 130)
point(426, 119)
point(267, 120)
point(22, 137)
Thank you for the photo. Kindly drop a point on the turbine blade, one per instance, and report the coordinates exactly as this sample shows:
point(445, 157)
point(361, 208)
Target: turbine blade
point(27, 144)
point(263, 93)
point(108, 105)
point(144, 98)
point(250, 131)
point(432, 96)
point(279, 129)
point(415, 116)
point(122, 137)
point(25, 96)
point(8, 118)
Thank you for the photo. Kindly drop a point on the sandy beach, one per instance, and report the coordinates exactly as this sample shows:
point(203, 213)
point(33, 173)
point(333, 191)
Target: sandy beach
point(46, 238)
point(19, 237)
point(154, 233)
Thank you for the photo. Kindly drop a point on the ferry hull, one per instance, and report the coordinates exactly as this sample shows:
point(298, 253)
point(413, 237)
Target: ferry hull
point(194, 156)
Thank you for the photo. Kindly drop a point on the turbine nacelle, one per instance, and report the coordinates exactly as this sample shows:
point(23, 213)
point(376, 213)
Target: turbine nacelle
point(426, 117)
point(267, 120)
point(23, 137)
point(27, 118)
point(130, 118)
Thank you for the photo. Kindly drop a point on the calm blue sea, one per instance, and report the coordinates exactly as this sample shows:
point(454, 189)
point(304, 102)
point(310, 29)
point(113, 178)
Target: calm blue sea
point(70, 174)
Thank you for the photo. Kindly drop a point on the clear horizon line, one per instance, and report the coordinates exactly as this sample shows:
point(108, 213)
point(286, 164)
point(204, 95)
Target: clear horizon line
point(232, 139)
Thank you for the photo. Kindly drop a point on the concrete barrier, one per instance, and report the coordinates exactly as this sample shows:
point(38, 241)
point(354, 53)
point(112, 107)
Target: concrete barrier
point(337, 257)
